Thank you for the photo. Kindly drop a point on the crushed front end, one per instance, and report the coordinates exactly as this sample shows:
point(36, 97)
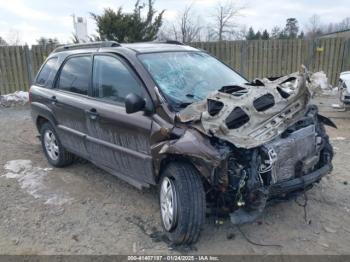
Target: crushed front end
point(291, 162)
point(271, 140)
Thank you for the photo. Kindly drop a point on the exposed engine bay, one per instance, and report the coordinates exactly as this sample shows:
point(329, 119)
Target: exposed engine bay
point(253, 176)
point(271, 140)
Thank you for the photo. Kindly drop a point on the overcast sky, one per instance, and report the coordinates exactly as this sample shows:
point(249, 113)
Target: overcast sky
point(35, 18)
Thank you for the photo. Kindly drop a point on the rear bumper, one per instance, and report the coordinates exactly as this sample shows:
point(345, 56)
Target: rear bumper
point(298, 183)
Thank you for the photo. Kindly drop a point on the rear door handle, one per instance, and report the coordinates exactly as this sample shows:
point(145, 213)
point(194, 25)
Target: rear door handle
point(92, 113)
point(53, 100)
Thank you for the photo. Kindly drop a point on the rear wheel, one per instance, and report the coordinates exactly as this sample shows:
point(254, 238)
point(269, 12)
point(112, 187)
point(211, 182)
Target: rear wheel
point(182, 203)
point(55, 153)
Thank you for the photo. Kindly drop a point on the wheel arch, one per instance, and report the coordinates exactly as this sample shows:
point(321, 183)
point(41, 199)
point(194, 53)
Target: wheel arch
point(42, 114)
point(40, 120)
point(171, 158)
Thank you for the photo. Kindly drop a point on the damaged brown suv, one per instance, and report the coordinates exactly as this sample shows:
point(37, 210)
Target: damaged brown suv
point(171, 115)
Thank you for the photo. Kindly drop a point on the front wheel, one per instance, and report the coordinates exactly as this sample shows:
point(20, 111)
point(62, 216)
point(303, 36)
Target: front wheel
point(182, 203)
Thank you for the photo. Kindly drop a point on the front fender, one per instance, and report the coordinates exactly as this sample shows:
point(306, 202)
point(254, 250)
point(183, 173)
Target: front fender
point(191, 146)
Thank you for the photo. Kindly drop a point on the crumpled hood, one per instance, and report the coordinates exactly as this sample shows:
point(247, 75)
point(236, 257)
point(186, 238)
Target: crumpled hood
point(251, 114)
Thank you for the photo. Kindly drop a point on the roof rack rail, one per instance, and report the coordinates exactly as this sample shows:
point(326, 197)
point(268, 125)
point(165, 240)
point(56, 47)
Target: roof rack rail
point(87, 45)
point(169, 41)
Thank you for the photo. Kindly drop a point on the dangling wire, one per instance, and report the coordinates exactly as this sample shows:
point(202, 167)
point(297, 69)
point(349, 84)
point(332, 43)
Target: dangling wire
point(254, 243)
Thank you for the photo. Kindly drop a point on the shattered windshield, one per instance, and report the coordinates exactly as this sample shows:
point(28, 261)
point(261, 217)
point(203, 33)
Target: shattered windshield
point(186, 77)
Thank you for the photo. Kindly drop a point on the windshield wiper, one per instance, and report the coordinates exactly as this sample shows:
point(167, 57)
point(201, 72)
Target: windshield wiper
point(183, 105)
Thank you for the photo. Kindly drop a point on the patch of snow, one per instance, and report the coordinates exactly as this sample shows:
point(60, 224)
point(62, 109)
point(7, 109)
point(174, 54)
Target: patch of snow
point(31, 179)
point(331, 92)
point(320, 80)
point(336, 106)
point(18, 97)
point(339, 138)
point(17, 166)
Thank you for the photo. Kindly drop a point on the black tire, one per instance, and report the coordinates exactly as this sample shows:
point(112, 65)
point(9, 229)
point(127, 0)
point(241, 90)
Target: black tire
point(64, 158)
point(190, 207)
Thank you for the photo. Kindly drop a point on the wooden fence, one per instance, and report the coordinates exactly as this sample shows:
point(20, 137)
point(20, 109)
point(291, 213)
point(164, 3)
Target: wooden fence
point(261, 58)
point(257, 58)
point(19, 65)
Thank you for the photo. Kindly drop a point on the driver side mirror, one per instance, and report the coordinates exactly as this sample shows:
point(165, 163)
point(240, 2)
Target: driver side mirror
point(134, 103)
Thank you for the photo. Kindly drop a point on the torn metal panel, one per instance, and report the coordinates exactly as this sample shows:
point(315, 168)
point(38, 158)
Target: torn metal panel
point(251, 114)
point(193, 146)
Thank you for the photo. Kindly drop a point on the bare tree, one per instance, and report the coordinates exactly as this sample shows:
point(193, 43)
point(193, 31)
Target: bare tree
point(2, 41)
point(14, 37)
point(224, 15)
point(168, 31)
point(240, 33)
point(189, 26)
point(330, 28)
point(314, 27)
point(345, 24)
point(210, 34)
point(276, 32)
point(342, 25)
point(186, 29)
point(47, 41)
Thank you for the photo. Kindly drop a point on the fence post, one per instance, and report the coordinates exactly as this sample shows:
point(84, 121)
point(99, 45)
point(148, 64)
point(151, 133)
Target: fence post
point(310, 58)
point(244, 64)
point(345, 64)
point(29, 64)
point(3, 73)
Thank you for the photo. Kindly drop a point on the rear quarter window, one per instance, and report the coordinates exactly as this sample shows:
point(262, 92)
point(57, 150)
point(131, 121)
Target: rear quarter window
point(46, 74)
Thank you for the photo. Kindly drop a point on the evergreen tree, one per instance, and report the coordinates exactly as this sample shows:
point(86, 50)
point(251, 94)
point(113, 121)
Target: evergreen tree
point(47, 41)
point(301, 35)
point(125, 27)
point(265, 35)
point(258, 35)
point(251, 34)
point(292, 28)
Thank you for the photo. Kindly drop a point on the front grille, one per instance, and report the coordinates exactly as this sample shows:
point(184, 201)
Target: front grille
point(291, 151)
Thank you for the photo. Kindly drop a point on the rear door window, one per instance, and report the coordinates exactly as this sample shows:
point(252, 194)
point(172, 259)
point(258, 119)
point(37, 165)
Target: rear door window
point(46, 74)
point(75, 75)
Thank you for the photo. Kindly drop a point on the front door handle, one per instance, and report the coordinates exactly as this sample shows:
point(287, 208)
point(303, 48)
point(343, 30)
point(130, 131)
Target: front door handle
point(53, 100)
point(92, 113)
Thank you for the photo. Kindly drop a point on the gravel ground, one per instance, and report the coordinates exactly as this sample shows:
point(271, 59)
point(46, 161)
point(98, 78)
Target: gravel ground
point(83, 210)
